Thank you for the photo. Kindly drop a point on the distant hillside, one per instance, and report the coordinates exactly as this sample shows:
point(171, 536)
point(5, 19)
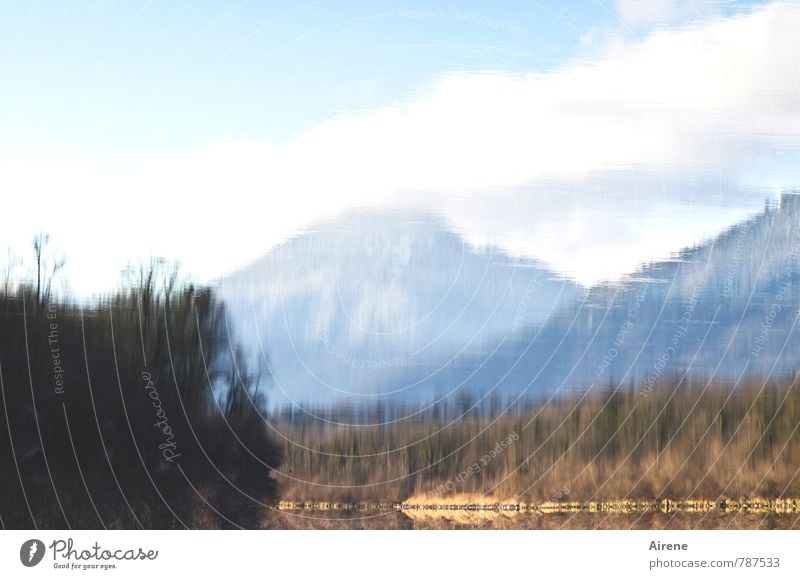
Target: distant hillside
point(365, 301)
point(726, 308)
point(399, 306)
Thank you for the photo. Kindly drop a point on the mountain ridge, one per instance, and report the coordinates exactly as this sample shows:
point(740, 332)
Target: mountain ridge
point(398, 307)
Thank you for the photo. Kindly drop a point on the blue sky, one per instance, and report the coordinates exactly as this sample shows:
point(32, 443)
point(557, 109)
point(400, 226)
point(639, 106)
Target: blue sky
point(114, 75)
point(253, 120)
point(134, 75)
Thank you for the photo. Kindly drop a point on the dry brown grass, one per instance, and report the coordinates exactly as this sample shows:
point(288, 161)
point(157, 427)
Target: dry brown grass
point(689, 441)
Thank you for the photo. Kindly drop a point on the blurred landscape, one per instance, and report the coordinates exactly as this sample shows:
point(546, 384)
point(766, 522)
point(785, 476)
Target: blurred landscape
point(353, 265)
point(665, 400)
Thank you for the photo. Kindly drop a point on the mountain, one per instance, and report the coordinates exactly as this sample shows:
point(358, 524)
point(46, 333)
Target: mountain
point(725, 309)
point(365, 305)
point(399, 308)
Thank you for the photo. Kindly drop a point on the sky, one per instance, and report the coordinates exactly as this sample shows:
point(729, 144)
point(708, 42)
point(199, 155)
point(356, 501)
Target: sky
point(591, 135)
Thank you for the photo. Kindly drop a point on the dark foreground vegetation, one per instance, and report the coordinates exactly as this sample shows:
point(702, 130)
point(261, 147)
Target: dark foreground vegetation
point(108, 418)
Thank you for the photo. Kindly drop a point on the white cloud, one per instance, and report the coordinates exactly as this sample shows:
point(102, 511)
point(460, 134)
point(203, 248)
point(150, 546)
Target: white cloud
point(699, 102)
point(637, 12)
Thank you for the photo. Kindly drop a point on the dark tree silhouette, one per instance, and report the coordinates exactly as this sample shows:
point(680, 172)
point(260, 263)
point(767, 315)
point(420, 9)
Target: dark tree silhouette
point(128, 413)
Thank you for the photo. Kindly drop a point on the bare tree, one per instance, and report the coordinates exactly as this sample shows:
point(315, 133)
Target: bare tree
point(39, 243)
point(46, 268)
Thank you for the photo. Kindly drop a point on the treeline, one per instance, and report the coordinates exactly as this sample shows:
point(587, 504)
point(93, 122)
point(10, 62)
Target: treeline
point(135, 411)
point(679, 440)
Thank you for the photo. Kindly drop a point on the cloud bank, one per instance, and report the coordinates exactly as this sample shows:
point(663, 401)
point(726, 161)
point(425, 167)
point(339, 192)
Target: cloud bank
point(717, 103)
